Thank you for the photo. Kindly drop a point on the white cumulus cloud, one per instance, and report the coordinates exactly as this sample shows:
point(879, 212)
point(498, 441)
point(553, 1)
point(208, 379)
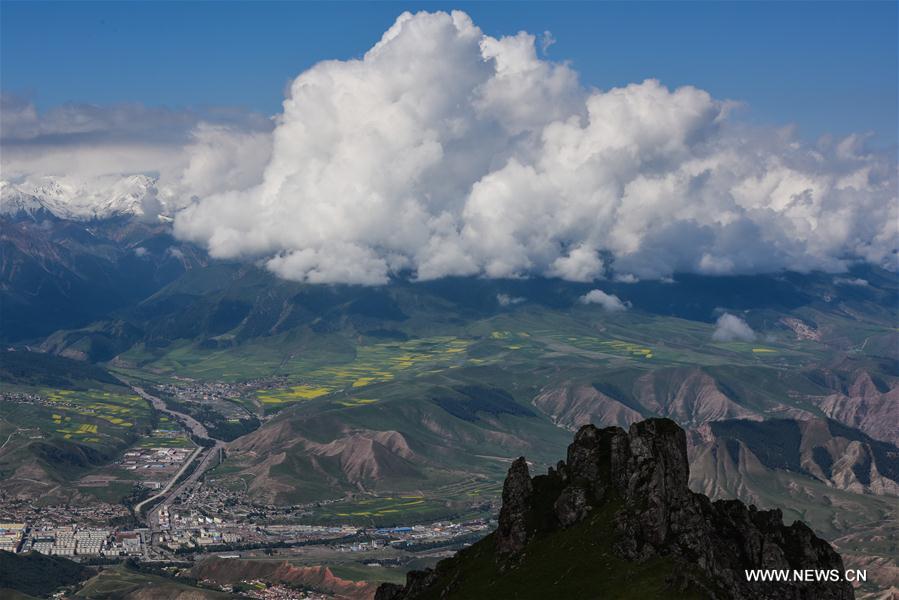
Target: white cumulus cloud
point(507, 300)
point(729, 328)
point(626, 278)
point(609, 302)
point(856, 281)
point(444, 151)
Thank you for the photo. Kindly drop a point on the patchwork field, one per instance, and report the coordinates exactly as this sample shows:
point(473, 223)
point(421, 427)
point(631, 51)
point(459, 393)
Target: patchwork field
point(96, 417)
point(320, 365)
point(448, 386)
point(60, 441)
point(374, 363)
point(157, 440)
point(462, 499)
point(386, 361)
point(277, 355)
point(526, 350)
point(386, 511)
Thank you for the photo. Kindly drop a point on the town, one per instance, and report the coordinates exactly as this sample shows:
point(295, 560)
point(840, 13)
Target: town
point(191, 535)
point(177, 516)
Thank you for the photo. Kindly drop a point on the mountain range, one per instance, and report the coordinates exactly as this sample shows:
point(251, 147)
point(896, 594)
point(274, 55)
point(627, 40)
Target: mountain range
point(417, 395)
point(84, 200)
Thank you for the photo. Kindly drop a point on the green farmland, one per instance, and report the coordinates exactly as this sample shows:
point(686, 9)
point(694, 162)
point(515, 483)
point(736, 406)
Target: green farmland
point(375, 363)
point(96, 417)
point(67, 434)
point(385, 511)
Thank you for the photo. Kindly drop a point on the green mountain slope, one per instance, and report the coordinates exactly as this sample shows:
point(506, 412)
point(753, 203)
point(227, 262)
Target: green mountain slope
point(616, 520)
point(37, 575)
point(60, 419)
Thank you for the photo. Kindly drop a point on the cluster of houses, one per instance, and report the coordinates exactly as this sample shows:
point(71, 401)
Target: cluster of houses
point(154, 458)
point(11, 536)
point(71, 540)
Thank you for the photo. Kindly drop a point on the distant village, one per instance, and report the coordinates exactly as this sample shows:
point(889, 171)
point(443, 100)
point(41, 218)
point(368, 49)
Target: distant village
point(183, 533)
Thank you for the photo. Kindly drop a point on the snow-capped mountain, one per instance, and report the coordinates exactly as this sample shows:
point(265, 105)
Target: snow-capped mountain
point(17, 203)
point(84, 199)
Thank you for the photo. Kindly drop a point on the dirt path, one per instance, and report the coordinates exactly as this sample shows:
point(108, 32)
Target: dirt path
point(9, 438)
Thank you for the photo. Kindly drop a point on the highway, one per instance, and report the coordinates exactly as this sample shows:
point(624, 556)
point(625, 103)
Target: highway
point(208, 457)
point(208, 460)
point(168, 486)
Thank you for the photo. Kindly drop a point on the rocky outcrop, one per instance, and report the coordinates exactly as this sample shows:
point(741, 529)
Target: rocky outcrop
point(624, 494)
point(513, 527)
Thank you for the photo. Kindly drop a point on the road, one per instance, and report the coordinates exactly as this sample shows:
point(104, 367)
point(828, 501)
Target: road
point(208, 457)
point(17, 430)
point(208, 460)
point(171, 482)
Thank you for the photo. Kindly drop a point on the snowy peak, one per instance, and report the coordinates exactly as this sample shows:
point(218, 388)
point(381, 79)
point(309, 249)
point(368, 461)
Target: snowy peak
point(19, 204)
point(83, 200)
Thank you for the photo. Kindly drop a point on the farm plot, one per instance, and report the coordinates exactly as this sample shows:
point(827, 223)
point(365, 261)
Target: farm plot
point(540, 342)
point(376, 363)
point(94, 417)
point(382, 510)
point(612, 347)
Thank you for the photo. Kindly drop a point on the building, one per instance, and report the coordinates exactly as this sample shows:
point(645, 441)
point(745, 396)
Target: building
point(11, 536)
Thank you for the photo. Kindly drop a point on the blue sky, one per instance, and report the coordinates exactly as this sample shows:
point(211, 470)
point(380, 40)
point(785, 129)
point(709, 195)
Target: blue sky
point(828, 67)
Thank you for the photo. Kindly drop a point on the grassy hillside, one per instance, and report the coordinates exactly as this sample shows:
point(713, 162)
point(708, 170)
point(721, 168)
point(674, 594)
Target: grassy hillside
point(417, 438)
point(34, 574)
point(60, 274)
point(237, 321)
point(122, 582)
point(578, 562)
point(523, 366)
point(60, 419)
point(37, 368)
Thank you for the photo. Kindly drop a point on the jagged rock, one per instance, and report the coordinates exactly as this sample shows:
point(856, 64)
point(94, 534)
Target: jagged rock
point(417, 582)
point(627, 493)
point(512, 531)
point(571, 506)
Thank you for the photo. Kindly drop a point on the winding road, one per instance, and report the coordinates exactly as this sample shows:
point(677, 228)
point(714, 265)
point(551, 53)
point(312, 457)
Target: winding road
point(206, 456)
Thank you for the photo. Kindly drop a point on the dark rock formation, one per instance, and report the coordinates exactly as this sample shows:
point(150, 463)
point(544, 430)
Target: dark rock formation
point(623, 498)
point(517, 490)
